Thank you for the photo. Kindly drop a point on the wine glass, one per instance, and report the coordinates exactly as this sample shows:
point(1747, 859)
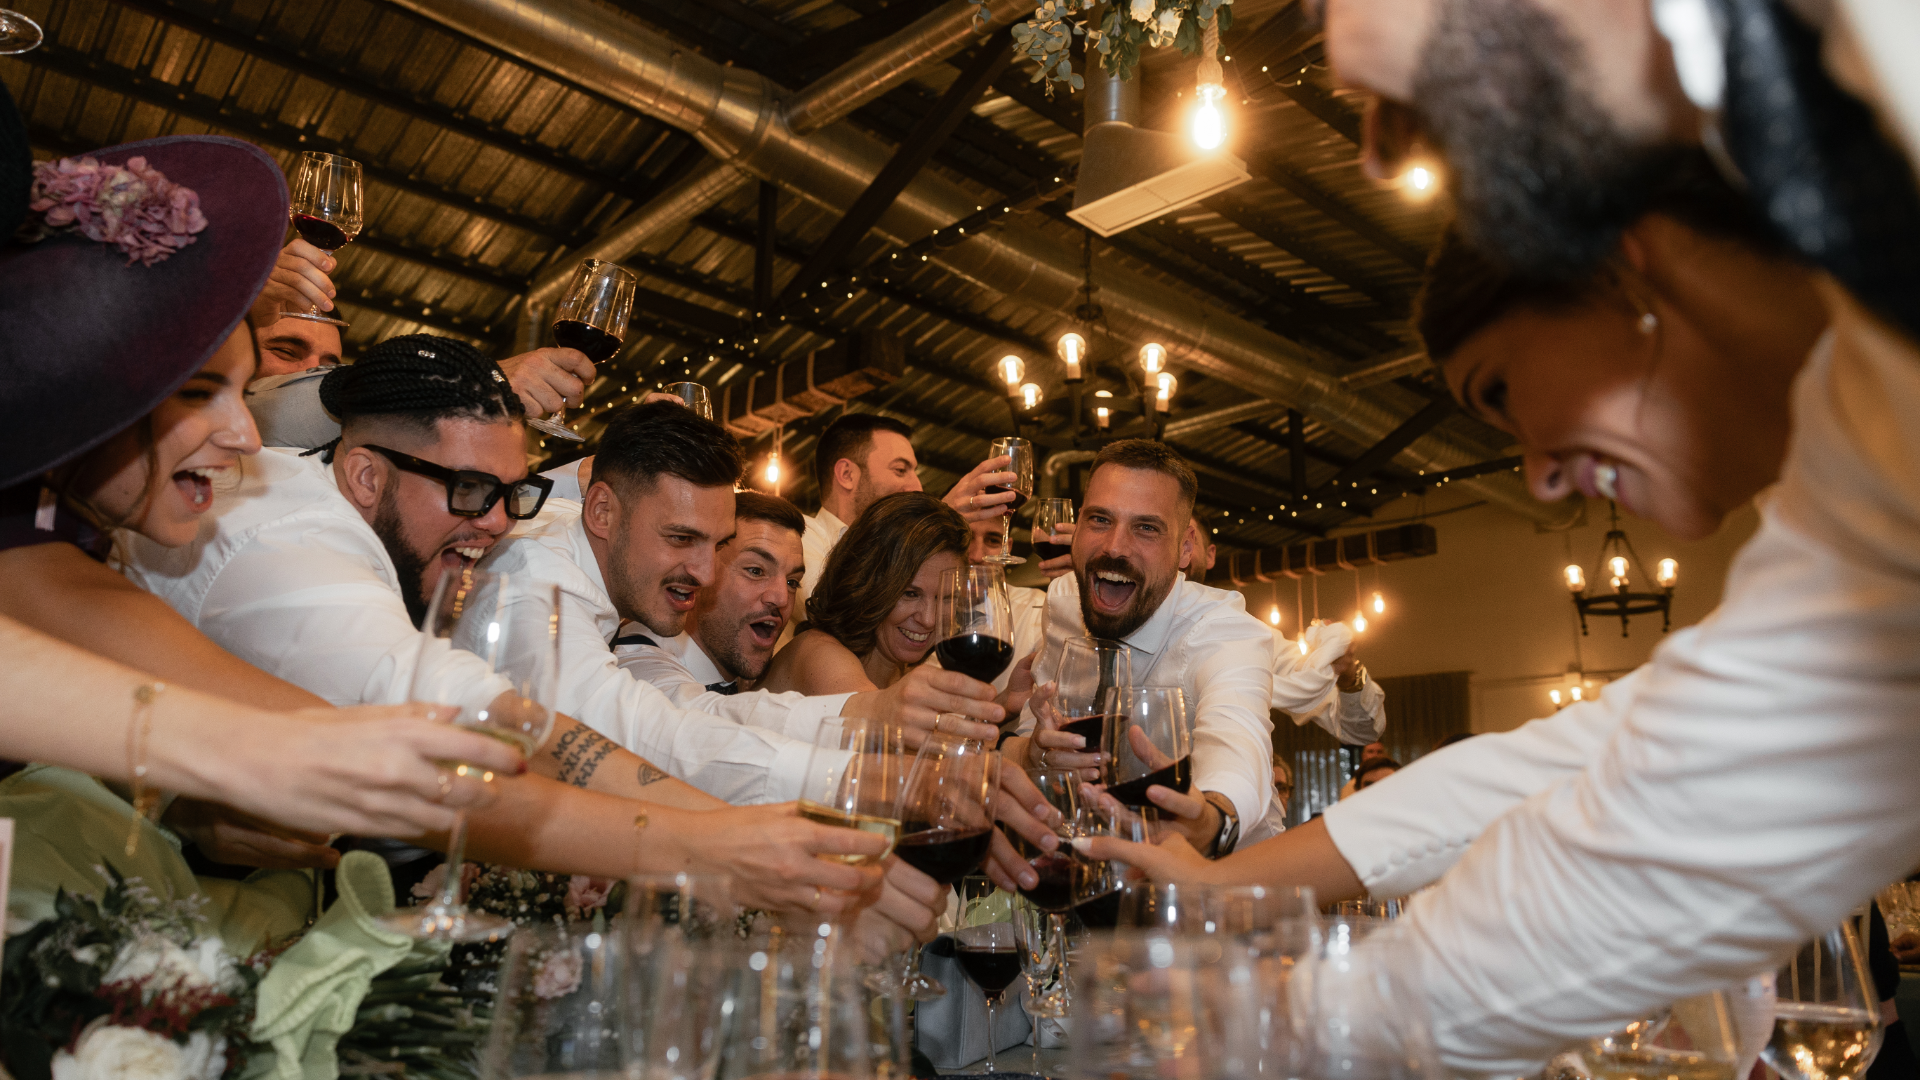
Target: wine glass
point(976, 622)
point(989, 954)
point(506, 690)
point(1150, 743)
point(592, 319)
point(1089, 668)
point(796, 1009)
point(1021, 453)
point(1356, 1011)
point(1693, 1038)
point(697, 397)
point(325, 209)
point(696, 907)
point(1826, 1019)
point(563, 1006)
point(1138, 1010)
point(18, 33)
point(680, 931)
point(946, 827)
point(1043, 965)
point(853, 780)
point(1048, 514)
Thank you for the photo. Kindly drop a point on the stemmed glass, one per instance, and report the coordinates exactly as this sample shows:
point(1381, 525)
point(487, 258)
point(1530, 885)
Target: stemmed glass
point(592, 319)
point(1692, 1039)
point(1826, 1019)
point(1020, 451)
point(512, 628)
point(565, 1005)
point(1048, 516)
point(989, 953)
point(1089, 669)
point(697, 397)
point(18, 33)
point(325, 209)
point(946, 827)
point(1150, 742)
point(976, 622)
point(853, 780)
point(1043, 965)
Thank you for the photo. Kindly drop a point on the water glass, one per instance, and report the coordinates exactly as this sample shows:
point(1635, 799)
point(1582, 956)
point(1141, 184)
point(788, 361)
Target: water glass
point(1826, 1015)
point(795, 1009)
point(563, 1005)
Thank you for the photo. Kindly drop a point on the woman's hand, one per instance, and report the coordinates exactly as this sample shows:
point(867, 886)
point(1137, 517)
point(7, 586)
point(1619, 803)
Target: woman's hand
point(772, 855)
point(1053, 748)
point(1059, 565)
point(1020, 690)
point(371, 770)
point(920, 699)
point(236, 838)
point(1167, 858)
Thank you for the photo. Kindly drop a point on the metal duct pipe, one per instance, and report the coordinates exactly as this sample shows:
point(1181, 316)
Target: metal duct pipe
point(1056, 466)
point(738, 116)
point(1195, 423)
point(933, 36)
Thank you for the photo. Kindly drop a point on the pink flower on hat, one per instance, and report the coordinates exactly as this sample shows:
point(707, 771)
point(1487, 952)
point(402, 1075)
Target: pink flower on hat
point(131, 206)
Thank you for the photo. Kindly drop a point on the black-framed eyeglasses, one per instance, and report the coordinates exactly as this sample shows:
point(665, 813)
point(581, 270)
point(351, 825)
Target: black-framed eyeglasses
point(471, 493)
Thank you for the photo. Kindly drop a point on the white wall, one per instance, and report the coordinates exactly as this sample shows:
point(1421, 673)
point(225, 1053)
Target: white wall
point(1492, 602)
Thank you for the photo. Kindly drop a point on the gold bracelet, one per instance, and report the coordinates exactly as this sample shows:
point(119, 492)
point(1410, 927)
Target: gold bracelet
point(139, 728)
point(639, 826)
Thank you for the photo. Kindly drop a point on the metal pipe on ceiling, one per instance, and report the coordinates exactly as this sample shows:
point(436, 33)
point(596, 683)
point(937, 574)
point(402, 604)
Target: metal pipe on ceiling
point(740, 117)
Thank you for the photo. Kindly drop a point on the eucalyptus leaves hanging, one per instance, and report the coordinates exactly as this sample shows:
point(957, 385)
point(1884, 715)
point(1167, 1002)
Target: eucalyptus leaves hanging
point(1125, 26)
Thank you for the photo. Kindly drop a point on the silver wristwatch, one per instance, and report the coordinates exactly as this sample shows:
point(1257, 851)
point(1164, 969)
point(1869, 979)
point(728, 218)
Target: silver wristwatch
point(1229, 835)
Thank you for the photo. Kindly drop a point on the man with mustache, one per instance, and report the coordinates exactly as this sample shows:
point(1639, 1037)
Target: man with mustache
point(1134, 532)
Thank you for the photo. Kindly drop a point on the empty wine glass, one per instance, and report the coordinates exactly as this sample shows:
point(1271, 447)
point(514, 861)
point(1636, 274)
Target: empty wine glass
point(697, 397)
point(1138, 1009)
point(563, 1006)
point(1150, 743)
point(1048, 515)
point(325, 209)
point(946, 827)
point(592, 319)
point(1356, 1012)
point(1021, 453)
point(796, 1009)
point(1692, 1039)
point(18, 33)
point(976, 622)
point(511, 626)
point(1826, 1019)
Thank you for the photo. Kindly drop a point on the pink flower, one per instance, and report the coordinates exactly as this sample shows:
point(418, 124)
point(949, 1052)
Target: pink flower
point(133, 207)
point(429, 887)
point(558, 974)
point(584, 894)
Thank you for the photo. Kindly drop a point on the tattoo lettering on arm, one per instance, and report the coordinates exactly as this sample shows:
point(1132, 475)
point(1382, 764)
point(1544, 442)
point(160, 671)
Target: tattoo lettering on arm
point(580, 751)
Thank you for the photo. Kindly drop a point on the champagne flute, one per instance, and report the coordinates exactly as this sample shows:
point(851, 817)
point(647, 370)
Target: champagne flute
point(853, 781)
point(1089, 668)
point(511, 626)
point(325, 209)
point(1021, 453)
point(1826, 1015)
point(976, 622)
point(1150, 742)
point(946, 827)
point(18, 33)
point(1048, 515)
point(989, 954)
point(593, 320)
point(1692, 1040)
point(697, 397)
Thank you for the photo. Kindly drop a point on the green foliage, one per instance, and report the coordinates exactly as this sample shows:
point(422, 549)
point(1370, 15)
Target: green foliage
point(1046, 39)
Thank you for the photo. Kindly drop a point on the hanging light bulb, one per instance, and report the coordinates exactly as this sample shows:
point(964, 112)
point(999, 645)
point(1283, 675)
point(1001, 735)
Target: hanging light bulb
point(1072, 349)
point(1576, 692)
point(773, 468)
point(1209, 127)
point(1576, 578)
point(1554, 696)
point(1379, 604)
point(1303, 646)
point(1420, 180)
point(1102, 416)
point(1359, 622)
point(1667, 573)
point(1273, 615)
point(1012, 370)
point(1617, 566)
point(1153, 358)
point(1168, 385)
point(1030, 395)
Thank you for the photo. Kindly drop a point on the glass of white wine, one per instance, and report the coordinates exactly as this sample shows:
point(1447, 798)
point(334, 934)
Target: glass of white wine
point(1826, 1016)
point(854, 778)
point(1691, 1040)
point(490, 647)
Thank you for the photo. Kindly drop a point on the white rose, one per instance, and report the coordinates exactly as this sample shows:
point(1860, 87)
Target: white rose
point(1169, 22)
point(218, 968)
point(1142, 10)
point(159, 961)
point(204, 1057)
point(106, 1052)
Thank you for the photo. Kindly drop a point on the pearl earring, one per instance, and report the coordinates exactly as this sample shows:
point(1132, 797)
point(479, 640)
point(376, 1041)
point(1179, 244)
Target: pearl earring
point(1649, 322)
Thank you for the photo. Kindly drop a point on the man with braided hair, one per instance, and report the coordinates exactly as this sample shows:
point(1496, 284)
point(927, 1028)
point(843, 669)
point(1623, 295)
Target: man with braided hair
point(317, 568)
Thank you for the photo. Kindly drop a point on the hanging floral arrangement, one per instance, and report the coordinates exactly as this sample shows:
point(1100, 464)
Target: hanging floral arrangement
point(1125, 26)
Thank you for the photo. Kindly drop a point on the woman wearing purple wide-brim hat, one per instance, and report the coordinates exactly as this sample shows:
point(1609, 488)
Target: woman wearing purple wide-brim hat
point(124, 351)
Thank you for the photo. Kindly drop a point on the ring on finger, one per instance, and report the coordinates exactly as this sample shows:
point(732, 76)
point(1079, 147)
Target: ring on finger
point(1043, 756)
point(816, 897)
point(446, 787)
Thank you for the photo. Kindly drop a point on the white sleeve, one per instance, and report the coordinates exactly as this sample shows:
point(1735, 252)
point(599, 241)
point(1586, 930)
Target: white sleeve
point(1360, 718)
point(1232, 724)
point(1404, 832)
point(797, 716)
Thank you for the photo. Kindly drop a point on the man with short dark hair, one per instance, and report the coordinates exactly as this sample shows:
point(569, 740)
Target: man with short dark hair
point(1134, 530)
point(1374, 771)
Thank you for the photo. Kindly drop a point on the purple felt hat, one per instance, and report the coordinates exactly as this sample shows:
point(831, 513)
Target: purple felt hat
point(89, 344)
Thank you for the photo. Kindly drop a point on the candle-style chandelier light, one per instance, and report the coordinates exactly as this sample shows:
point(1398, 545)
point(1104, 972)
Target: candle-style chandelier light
point(1617, 565)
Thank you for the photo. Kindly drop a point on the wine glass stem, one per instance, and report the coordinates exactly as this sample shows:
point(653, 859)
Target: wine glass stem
point(993, 1001)
point(456, 857)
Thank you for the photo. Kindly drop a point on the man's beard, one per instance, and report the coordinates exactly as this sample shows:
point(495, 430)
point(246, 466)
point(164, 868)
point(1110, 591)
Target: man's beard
point(863, 496)
point(638, 600)
point(1146, 599)
point(408, 564)
point(729, 655)
point(1544, 181)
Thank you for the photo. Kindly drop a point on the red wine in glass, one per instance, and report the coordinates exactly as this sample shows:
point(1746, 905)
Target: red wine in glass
point(1019, 498)
point(976, 656)
point(1058, 874)
point(585, 337)
point(1178, 776)
point(945, 855)
point(991, 969)
point(1102, 912)
point(1091, 728)
point(320, 232)
point(1050, 551)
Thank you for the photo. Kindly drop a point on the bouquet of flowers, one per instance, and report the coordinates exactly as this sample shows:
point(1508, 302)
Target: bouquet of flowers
point(128, 986)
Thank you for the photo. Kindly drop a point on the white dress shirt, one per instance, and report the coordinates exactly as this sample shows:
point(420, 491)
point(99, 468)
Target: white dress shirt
point(823, 531)
point(680, 668)
point(566, 481)
point(1306, 688)
point(1202, 640)
point(729, 746)
point(1762, 782)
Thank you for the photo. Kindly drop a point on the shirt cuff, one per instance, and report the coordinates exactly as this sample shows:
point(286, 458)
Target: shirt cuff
point(1246, 799)
point(805, 717)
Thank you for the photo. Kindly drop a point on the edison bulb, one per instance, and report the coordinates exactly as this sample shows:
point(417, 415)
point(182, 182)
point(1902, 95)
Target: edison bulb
point(1303, 646)
point(1072, 348)
point(1153, 357)
point(1102, 416)
point(1030, 395)
point(1273, 614)
point(1379, 604)
point(1576, 578)
point(1359, 623)
point(1420, 178)
point(773, 468)
point(1617, 566)
point(1554, 696)
point(1168, 387)
point(1209, 127)
point(1576, 692)
point(1012, 370)
point(1667, 573)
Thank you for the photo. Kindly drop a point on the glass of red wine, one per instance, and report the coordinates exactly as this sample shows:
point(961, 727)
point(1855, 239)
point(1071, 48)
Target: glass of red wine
point(592, 319)
point(1149, 742)
point(1048, 515)
point(946, 827)
point(325, 209)
point(976, 622)
point(989, 953)
point(1089, 668)
point(1021, 453)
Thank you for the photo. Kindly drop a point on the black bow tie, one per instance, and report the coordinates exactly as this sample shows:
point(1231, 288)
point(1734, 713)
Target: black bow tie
point(633, 639)
point(724, 687)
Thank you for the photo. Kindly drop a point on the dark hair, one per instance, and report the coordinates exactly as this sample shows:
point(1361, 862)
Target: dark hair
point(772, 509)
point(1374, 766)
point(876, 560)
point(1152, 457)
point(851, 436)
point(654, 438)
point(1462, 291)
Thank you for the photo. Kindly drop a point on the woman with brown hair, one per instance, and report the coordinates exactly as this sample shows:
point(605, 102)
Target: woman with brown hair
point(873, 615)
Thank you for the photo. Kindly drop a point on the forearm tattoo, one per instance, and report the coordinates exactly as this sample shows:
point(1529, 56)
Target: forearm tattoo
point(649, 774)
point(580, 751)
